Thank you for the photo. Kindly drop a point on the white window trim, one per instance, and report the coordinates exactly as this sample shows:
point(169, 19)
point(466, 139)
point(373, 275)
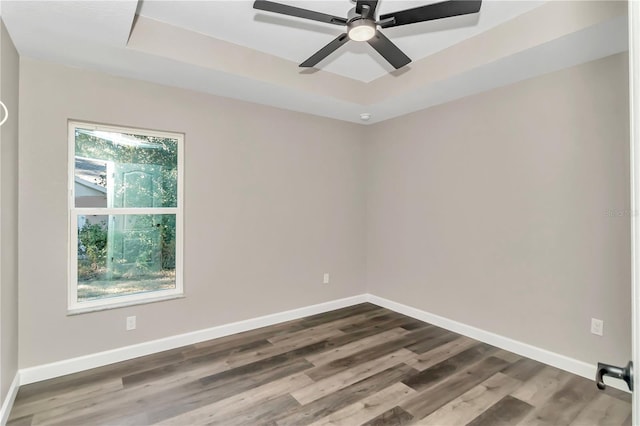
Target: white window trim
point(75, 307)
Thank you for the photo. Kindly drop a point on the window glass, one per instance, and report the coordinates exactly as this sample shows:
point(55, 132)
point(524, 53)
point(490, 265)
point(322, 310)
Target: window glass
point(125, 254)
point(118, 170)
point(126, 216)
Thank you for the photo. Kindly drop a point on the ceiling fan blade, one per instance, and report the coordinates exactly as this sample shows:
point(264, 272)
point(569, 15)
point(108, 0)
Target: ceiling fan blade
point(430, 12)
point(325, 51)
point(373, 4)
point(284, 9)
point(388, 50)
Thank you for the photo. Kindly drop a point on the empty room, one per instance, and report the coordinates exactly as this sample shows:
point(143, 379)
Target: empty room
point(337, 212)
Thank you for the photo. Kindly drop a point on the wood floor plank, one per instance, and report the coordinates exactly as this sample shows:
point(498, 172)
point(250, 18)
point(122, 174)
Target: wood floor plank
point(359, 365)
point(365, 318)
point(441, 353)
point(415, 324)
point(368, 408)
point(510, 357)
point(261, 333)
point(321, 347)
point(603, 410)
point(261, 365)
point(472, 403)
point(217, 359)
point(217, 390)
point(437, 337)
point(132, 419)
point(446, 368)
point(52, 387)
point(565, 404)
point(283, 346)
point(367, 354)
point(226, 347)
point(524, 369)
point(21, 421)
point(226, 408)
point(327, 344)
point(115, 400)
point(66, 396)
point(327, 328)
point(381, 318)
point(407, 323)
point(314, 320)
point(177, 379)
point(324, 406)
point(428, 401)
point(393, 417)
point(284, 328)
point(166, 403)
point(260, 413)
point(83, 410)
point(506, 412)
point(624, 396)
point(348, 377)
point(539, 388)
point(355, 346)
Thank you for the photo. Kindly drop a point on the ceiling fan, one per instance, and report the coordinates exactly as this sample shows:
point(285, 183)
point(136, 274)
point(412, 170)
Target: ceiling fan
point(362, 24)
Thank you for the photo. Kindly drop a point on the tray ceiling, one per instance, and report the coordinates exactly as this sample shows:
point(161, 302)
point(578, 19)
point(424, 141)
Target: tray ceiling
point(229, 49)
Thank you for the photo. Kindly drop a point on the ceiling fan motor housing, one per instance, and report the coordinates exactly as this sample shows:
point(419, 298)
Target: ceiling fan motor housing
point(352, 14)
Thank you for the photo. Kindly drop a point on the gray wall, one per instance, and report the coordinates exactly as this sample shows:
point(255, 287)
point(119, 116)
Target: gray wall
point(273, 199)
point(9, 72)
point(509, 210)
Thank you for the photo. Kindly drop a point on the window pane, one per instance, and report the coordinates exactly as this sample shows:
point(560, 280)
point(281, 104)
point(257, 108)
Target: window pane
point(125, 254)
point(124, 170)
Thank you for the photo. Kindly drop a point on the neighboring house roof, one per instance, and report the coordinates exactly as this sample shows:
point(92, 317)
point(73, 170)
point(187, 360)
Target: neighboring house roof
point(90, 185)
point(89, 172)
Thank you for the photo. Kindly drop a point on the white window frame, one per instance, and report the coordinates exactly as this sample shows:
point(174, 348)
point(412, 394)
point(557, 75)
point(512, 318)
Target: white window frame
point(74, 306)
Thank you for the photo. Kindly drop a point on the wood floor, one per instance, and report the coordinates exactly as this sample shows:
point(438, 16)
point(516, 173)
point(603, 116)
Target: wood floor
point(358, 365)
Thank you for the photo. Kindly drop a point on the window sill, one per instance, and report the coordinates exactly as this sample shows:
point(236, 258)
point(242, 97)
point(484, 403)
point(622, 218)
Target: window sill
point(80, 311)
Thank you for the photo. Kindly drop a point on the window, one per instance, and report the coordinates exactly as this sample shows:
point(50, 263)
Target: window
point(125, 209)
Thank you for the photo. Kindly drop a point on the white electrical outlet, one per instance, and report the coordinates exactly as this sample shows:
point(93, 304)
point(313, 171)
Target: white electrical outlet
point(597, 326)
point(131, 323)
point(325, 279)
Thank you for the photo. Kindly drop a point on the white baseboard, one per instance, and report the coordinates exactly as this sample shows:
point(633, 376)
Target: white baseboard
point(562, 362)
point(74, 365)
point(5, 410)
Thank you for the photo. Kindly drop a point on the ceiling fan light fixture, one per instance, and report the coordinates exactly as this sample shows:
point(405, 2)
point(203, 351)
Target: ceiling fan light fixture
point(361, 30)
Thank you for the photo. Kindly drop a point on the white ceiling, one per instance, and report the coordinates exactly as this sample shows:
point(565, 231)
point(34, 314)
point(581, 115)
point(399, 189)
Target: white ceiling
point(228, 49)
point(296, 39)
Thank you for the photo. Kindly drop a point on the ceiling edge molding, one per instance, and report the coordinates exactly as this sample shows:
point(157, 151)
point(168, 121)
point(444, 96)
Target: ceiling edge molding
point(518, 35)
point(524, 32)
point(160, 39)
point(590, 44)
